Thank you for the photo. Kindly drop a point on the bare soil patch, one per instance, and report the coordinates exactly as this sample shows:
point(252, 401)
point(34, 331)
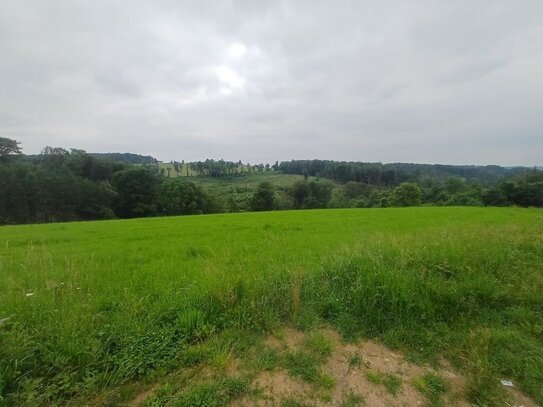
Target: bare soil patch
point(357, 376)
point(349, 366)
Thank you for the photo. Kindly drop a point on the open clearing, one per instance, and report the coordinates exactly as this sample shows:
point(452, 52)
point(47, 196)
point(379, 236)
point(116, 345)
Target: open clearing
point(100, 311)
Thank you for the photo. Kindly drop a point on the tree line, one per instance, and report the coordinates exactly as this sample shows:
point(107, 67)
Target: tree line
point(64, 185)
point(525, 189)
point(394, 174)
point(61, 185)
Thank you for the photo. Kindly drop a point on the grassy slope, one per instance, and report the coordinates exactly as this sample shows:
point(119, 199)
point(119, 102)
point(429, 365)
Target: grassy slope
point(115, 299)
point(242, 187)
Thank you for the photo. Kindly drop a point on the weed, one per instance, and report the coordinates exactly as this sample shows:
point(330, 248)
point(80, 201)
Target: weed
point(290, 402)
point(392, 383)
point(302, 365)
point(482, 387)
point(432, 386)
point(374, 377)
point(193, 326)
point(160, 398)
point(267, 359)
point(325, 381)
point(195, 355)
point(220, 360)
point(319, 345)
point(355, 361)
point(307, 319)
point(212, 394)
point(352, 399)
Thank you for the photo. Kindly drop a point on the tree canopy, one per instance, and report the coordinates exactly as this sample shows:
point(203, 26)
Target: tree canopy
point(9, 147)
point(263, 197)
point(63, 185)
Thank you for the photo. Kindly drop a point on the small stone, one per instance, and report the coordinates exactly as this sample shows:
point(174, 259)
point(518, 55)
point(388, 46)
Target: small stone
point(507, 383)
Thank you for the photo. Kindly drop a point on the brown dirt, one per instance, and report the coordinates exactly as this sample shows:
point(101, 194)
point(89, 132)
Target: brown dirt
point(141, 397)
point(278, 385)
point(519, 399)
point(272, 388)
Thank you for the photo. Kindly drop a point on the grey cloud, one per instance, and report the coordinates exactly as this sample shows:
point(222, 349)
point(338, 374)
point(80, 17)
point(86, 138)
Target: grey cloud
point(421, 81)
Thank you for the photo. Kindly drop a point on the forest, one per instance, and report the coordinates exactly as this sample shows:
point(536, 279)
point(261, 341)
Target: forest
point(68, 185)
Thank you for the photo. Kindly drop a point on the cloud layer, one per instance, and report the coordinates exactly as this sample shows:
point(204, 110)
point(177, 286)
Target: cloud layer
point(417, 81)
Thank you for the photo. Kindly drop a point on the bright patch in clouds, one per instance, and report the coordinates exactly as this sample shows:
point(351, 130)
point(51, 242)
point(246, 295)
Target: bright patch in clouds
point(229, 78)
point(237, 50)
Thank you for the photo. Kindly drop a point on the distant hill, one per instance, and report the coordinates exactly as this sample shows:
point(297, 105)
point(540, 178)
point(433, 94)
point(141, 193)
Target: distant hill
point(128, 158)
point(395, 173)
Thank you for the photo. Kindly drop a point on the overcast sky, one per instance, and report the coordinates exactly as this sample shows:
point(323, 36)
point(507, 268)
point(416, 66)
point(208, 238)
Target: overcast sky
point(457, 82)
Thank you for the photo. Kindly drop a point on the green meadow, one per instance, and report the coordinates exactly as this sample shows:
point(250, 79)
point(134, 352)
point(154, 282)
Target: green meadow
point(87, 307)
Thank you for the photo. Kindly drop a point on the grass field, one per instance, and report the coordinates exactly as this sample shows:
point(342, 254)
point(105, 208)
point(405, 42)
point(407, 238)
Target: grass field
point(89, 307)
point(237, 189)
point(241, 188)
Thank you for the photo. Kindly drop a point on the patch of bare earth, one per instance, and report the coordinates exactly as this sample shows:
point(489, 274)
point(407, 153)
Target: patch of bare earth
point(140, 399)
point(351, 378)
point(349, 365)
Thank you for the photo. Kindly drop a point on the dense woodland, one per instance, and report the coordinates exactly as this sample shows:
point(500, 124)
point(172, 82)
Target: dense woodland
point(61, 185)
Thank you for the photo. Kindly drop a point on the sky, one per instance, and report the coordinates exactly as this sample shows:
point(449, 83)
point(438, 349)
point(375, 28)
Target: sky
point(453, 82)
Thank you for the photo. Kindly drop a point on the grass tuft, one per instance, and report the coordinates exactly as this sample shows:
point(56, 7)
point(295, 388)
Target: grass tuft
point(303, 365)
point(392, 383)
point(212, 394)
point(433, 387)
point(352, 399)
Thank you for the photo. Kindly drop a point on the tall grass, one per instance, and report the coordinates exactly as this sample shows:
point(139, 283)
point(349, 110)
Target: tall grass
point(89, 306)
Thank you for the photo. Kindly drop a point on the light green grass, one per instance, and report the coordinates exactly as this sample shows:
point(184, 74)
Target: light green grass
point(240, 188)
point(433, 387)
point(89, 306)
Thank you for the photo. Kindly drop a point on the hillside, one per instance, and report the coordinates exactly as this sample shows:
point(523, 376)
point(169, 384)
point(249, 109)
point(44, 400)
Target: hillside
point(60, 185)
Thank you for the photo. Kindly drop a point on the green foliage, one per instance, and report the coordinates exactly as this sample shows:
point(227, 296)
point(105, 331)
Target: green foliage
point(178, 197)
point(406, 194)
point(267, 359)
point(300, 192)
point(9, 147)
point(61, 185)
point(325, 381)
point(306, 364)
point(160, 397)
point(392, 383)
point(378, 174)
point(212, 394)
point(433, 387)
point(352, 399)
point(319, 345)
point(311, 195)
point(193, 326)
point(482, 388)
point(355, 361)
point(523, 190)
point(263, 197)
point(303, 365)
point(374, 377)
point(137, 190)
